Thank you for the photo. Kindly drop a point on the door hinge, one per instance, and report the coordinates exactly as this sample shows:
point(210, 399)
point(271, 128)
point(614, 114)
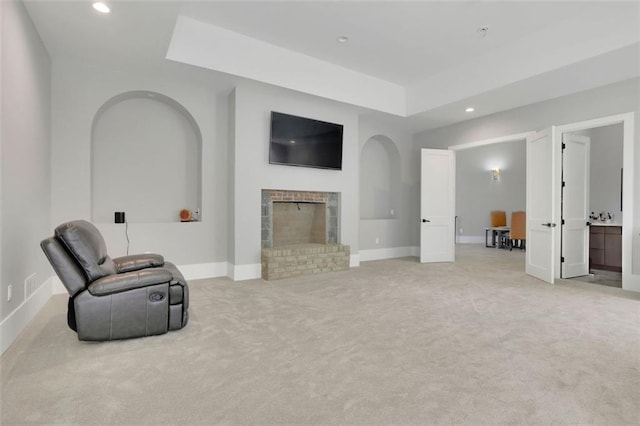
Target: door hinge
point(564, 184)
point(564, 145)
point(563, 221)
point(562, 259)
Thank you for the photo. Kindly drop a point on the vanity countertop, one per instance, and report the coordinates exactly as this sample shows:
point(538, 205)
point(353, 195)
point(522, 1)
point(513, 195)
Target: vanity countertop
point(605, 224)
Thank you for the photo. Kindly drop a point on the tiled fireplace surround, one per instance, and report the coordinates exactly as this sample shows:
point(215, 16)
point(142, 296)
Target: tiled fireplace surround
point(300, 233)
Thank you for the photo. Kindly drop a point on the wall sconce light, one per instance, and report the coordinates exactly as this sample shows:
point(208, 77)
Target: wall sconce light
point(495, 174)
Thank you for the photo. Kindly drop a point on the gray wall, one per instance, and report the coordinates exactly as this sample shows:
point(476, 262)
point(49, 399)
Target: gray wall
point(607, 100)
point(26, 146)
point(391, 231)
point(130, 134)
point(253, 105)
point(606, 162)
point(477, 193)
point(78, 93)
point(231, 181)
point(379, 178)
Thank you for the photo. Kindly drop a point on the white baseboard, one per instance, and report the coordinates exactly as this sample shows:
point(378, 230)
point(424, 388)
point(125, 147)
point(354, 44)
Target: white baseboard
point(56, 286)
point(470, 239)
point(631, 282)
point(245, 272)
point(198, 271)
point(388, 253)
point(354, 260)
point(16, 321)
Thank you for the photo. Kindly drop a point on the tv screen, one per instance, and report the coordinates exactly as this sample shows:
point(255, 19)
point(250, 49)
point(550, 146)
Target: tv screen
point(299, 141)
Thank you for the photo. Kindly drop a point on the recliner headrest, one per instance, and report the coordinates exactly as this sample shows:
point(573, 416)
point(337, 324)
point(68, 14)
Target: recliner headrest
point(87, 246)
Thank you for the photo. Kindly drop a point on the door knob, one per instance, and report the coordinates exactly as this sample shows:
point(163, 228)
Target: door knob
point(550, 225)
point(425, 220)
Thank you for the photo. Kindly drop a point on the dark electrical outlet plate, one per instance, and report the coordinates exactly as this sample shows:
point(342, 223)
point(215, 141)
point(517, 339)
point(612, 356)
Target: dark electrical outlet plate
point(119, 217)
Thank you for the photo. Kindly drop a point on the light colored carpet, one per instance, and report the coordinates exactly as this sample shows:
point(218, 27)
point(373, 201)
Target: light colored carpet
point(391, 342)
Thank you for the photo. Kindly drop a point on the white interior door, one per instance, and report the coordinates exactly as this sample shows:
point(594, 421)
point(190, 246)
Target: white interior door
point(541, 184)
point(437, 206)
point(575, 205)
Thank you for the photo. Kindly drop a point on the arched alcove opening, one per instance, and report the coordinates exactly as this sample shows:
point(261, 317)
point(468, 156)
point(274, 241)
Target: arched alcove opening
point(146, 157)
point(379, 178)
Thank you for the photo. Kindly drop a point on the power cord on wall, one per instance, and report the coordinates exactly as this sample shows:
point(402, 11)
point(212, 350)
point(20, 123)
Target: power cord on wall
point(126, 233)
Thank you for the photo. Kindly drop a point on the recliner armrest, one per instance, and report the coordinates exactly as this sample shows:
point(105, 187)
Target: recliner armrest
point(135, 262)
point(122, 282)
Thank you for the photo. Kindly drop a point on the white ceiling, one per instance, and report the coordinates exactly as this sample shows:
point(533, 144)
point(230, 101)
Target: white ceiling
point(400, 42)
point(425, 60)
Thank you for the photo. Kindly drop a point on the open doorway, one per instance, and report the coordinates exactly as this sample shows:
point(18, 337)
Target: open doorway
point(548, 187)
point(591, 237)
point(490, 175)
point(630, 280)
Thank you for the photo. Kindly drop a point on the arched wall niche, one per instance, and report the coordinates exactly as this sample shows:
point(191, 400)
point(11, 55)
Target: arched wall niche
point(379, 178)
point(146, 159)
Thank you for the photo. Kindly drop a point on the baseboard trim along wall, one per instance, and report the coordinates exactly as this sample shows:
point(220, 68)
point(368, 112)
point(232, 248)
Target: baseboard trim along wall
point(388, 253)
point(470, 239)
point(199, 271)
point(245, 272)
point(16, 321)
point(56, 286)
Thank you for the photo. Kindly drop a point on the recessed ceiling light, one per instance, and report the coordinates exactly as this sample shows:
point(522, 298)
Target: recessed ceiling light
point(342, 39)
point(470, 109)
point(101, 7)
point(292, 141)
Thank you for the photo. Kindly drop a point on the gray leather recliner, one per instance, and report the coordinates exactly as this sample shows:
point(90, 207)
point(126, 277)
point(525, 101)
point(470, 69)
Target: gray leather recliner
point(129, 296)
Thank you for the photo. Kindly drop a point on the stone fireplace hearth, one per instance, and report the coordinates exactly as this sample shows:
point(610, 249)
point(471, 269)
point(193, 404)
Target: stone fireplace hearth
point(300, 233)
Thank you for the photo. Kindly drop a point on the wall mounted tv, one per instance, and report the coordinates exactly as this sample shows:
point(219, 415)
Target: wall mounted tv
point(299, 141)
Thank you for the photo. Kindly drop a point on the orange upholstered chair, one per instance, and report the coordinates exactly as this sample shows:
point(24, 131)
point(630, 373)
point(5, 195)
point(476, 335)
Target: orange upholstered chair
point(498, 218)
point(518, 230)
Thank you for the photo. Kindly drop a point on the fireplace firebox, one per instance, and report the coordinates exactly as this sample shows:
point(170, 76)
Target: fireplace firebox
point(300, 233)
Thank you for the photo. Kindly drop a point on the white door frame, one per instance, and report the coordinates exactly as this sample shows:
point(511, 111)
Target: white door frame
point(629, 282)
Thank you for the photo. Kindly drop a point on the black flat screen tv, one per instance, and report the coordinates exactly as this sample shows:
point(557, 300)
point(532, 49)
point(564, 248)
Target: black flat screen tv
point(299, 141)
